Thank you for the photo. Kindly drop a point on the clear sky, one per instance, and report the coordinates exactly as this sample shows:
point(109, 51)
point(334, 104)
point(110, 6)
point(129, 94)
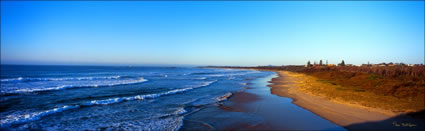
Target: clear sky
point(211, 33)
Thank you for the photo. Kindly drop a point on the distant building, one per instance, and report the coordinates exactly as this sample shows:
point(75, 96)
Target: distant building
point(342, 63)
point(308, 64)
point(382, 64)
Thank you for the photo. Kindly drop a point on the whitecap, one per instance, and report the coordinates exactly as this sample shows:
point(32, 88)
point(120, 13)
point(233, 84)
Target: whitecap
point(18, 119)
point(61, 87)
point(12, 79)
point(59, 79)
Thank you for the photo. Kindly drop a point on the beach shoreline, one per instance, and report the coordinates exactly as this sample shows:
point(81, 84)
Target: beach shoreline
point(284, 86)
point(270, 111)
point(349, 116)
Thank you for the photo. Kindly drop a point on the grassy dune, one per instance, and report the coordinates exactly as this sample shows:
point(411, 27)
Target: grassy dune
point(353, 91)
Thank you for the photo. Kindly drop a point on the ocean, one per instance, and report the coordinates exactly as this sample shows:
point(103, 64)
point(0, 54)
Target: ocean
point(112, 97)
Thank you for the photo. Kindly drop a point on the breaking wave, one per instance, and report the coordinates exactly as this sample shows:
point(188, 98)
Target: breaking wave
point(18, 119)
point(21, 79)
point(142, 97)
point(61, 87)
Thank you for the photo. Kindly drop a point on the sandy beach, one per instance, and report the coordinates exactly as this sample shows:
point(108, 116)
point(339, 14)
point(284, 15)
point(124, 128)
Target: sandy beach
point(348, 115)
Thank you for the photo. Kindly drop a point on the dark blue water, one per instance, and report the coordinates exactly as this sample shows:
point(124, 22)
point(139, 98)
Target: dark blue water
point(100, 97)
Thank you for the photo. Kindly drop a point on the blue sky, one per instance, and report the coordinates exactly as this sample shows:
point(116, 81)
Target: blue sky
point(211, 33)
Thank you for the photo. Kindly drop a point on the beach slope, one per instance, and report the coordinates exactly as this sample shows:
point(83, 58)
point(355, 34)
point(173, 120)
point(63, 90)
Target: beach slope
point(349, 115)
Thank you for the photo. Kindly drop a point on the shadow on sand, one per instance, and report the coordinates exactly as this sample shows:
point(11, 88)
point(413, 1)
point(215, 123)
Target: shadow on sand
point(409, 121)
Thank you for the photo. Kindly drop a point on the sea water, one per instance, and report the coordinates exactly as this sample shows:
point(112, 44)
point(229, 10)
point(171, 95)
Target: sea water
point(111, 97)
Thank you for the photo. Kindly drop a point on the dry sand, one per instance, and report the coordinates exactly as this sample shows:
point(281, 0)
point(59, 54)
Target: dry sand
point(350, 116)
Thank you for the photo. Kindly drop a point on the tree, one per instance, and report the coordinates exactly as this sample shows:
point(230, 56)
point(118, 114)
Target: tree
point(308, 64)
point(320, 63)
point(342, 63)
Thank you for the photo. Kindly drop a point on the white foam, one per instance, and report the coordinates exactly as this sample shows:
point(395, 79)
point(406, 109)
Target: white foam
point(12, 79)
point(199, 78)
point(217, 75)
point(202, 78)
point(61, 87)
point(224, 97)
point(142, 97)
point(180, 111)
point(42, 89)
point(59, 79)
point(17, 119)
point(207, 83)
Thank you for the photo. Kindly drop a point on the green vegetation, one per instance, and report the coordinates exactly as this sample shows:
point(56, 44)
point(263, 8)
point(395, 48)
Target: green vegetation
point(374, 77)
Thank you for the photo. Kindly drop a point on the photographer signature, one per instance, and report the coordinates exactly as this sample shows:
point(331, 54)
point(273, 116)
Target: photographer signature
point(404, 124)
